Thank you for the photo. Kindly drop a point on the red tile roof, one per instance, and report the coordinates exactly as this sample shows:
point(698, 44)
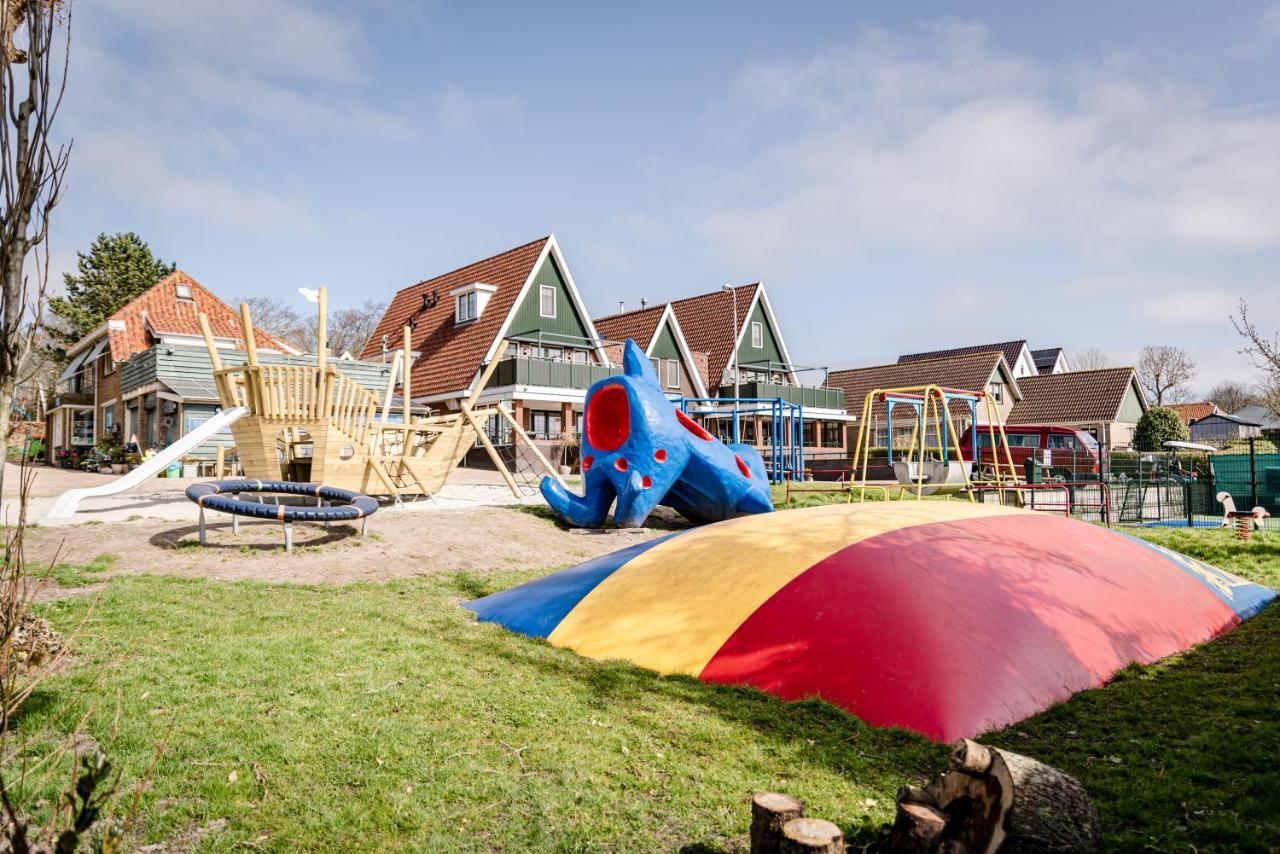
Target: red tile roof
point(971, 371)
point(1072, 398)
point(1189, 412)
point(159, 309)
point(1010, 349)
point(640, 326)
point(450, 354)
point(637, 325)
point(707, 322)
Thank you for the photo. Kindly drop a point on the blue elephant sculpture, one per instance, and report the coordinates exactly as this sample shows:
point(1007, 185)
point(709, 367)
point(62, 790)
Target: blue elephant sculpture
point(640, 450)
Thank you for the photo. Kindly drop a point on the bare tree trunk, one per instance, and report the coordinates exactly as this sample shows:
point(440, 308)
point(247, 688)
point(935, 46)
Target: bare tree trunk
point(31, 173)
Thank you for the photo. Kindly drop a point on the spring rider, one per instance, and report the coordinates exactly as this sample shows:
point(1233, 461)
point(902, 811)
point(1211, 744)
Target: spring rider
point(639, 449)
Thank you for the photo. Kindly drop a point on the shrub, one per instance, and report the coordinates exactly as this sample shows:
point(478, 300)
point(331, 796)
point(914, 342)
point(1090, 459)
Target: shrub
point(1158, 425)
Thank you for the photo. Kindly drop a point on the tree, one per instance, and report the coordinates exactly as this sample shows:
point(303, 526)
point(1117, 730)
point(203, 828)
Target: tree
point(1158, 425)
point(277, 318)
point(1090, 359)
point(1165, 373)
point(115, 270)
point(1230, 396)
point(1265, 354)
point(351, 328)
point(32, 168)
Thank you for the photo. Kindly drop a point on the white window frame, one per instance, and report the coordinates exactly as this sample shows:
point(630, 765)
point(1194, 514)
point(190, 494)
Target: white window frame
point(757, 335)
point(543, 292)
point(996, 390)
point(673, 373)
point(465, 308)
point(178, 289)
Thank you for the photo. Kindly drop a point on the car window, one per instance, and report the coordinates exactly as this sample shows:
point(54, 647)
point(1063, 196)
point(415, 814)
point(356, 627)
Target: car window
point(1064, 443)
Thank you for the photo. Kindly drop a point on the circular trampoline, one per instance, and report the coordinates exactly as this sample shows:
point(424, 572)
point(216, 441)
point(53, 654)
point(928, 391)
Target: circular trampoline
point(331, 504)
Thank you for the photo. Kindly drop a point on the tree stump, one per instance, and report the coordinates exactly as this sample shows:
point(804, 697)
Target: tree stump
point(811, 836)
point(994, 800)
point(769, 812)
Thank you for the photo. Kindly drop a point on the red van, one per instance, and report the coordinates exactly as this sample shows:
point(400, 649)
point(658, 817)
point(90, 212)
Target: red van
point(1069, 452)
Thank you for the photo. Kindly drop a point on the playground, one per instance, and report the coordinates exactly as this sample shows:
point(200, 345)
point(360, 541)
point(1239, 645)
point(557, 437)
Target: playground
point(299, 714)
point(343, 694)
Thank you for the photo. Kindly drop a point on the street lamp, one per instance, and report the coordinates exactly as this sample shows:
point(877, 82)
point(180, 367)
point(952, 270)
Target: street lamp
point(733, 354)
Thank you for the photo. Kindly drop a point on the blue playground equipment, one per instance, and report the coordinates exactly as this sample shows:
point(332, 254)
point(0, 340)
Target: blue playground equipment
point(224, 496)
point(916, 402)
point(786, 428)
point(641, 450)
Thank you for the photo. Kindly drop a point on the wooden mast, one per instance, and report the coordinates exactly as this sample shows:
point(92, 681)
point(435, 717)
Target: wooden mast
point(322, 352)
point(405, 394)
point(246, 327)
point(252, 379)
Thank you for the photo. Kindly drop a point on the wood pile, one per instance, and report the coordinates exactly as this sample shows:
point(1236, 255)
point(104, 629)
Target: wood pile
point(989, 800)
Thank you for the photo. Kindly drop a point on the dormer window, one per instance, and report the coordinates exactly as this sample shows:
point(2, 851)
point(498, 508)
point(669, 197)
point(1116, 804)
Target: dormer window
point(467, 307)
point(469, 301)
point(183, 291)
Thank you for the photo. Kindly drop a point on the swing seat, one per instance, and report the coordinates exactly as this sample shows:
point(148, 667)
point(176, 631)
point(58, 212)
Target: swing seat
point(937, 477)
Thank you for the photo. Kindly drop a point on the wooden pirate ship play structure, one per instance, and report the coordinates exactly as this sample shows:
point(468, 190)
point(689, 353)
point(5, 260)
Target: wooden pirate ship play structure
point(314, 423)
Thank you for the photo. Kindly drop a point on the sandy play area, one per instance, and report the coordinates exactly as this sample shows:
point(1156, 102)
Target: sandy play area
point(399, 545)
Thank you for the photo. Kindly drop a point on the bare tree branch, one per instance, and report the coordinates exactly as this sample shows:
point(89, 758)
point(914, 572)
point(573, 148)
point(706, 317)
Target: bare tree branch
point(1165, 373)
point(32, 169)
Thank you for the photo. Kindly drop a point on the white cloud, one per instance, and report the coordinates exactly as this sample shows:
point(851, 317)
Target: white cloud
point(283, 38)
point(459, 109)
point(942, 141)
point(137, 168)
point(265, 103)
point(1269, 24)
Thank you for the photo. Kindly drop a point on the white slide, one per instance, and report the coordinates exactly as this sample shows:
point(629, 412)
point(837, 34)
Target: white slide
point(67, 503)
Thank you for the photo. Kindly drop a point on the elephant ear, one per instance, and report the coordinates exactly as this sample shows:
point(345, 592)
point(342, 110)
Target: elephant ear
point(637, 365)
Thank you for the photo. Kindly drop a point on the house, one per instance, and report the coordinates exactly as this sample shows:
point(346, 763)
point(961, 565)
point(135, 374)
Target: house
point(1260, 414)
point(1221, 427)
point(1190, 413)
point(1016, 354)
point(521, 307)
point(1106, 402)
point(1052, 360)
point(681, 371)
point(146, 373)
point(984, 371)
point(747, 357)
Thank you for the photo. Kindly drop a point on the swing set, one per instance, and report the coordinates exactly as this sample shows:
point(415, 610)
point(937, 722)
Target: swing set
point(934, 462)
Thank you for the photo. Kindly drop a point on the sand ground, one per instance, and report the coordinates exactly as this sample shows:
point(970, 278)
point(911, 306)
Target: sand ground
point(474, 524)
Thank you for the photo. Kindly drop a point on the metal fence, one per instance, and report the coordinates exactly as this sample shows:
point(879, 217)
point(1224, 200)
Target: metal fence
point(1158, 489)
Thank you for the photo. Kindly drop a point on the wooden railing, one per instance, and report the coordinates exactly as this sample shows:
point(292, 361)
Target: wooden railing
point(293, 392)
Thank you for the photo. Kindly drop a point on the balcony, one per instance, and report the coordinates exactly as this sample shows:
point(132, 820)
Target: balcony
point(72, 398)
point(549, 373)
point(810, 397)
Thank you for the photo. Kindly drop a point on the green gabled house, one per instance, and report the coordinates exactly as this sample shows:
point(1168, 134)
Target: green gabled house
point(681, 372)
point(520, 307)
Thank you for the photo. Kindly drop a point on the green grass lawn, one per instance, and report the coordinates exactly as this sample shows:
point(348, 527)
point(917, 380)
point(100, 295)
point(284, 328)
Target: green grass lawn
point(382, 716)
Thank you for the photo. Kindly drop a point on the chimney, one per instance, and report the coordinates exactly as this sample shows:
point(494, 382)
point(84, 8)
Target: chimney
point(622, 306)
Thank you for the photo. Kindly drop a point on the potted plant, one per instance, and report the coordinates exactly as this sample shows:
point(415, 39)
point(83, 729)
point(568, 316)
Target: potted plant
point(568, 451)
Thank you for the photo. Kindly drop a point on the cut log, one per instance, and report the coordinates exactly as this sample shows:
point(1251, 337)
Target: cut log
point(995, 800)
point(809, 835)
point(769, 812)
point(918, 827)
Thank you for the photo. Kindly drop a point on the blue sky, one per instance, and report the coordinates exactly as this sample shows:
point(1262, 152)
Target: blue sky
point(901, 176)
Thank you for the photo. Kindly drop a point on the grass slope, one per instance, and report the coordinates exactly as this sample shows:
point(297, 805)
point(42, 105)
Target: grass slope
point(383, 717)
